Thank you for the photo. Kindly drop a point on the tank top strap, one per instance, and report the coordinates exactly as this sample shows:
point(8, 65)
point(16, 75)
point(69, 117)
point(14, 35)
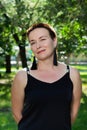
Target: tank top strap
point(27, 72)
point(27, 69)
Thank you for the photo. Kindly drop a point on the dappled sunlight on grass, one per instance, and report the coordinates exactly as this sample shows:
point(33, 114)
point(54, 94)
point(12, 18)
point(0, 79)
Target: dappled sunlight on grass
point(84, 89)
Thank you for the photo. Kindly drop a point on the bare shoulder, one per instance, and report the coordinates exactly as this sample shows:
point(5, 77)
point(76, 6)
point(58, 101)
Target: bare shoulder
point(75, 77)
point(74, 73)
point(62, 65)
point(20, 74)
point(20, 79)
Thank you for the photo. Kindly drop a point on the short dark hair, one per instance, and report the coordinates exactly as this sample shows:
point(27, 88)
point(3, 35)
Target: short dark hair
point(42, 25)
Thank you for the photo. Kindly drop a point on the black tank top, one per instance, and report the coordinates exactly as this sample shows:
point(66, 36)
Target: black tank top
point(47, 105)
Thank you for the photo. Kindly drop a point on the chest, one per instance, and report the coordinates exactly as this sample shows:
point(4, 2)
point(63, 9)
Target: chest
point(48, 77)
point(41, 92)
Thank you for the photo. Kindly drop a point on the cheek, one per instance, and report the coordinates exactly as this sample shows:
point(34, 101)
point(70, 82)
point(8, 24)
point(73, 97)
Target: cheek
point(48, 43)
point(51, 45)
point(33, 48)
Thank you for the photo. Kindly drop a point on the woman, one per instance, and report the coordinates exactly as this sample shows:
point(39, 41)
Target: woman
point(46, 97)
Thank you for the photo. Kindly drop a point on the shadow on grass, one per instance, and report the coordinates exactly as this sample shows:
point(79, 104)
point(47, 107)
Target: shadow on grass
point(5, 90)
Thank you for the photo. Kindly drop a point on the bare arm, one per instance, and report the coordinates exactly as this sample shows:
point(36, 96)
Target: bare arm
point(77, 91)
point(17, 94)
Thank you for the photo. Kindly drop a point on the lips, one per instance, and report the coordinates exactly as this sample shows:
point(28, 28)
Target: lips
point(40, 51)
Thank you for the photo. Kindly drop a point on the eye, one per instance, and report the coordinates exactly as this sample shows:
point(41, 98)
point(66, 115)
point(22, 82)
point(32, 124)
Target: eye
point(43, 39)
point(32, 43)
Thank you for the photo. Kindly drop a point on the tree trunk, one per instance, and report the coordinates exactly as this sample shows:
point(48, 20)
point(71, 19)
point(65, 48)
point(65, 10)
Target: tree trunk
point(23, 56)
point(8, 63)
point(21, 49)
point(67, 60)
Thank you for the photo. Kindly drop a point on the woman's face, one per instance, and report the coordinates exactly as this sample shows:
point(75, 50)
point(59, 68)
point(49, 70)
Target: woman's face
point(41, 43)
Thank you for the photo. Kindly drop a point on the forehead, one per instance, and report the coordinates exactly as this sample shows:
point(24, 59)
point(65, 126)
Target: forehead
point(38, 32)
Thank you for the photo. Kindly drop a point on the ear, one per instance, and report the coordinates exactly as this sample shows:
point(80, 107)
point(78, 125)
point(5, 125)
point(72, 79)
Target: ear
point(55, 42)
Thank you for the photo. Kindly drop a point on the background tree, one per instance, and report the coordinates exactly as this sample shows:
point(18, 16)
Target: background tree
point(25, 14)
point(68, 17)
point(5, 41)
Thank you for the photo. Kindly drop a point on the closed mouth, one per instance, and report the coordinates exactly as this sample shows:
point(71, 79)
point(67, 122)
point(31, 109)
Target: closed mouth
point(40, 51)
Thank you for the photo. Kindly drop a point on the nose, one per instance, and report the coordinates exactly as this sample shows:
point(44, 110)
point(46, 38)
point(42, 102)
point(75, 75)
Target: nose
point(38, 45)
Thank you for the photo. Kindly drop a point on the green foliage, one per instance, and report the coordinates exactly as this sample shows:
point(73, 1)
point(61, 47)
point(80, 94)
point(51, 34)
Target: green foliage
point(69, 39)
point(68, 17)
point(6, 37)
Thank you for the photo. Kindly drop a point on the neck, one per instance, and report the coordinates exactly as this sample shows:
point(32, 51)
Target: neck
point(45, 65)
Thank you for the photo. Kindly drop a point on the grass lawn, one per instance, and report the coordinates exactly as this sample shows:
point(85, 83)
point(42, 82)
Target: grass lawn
point(6, 120)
